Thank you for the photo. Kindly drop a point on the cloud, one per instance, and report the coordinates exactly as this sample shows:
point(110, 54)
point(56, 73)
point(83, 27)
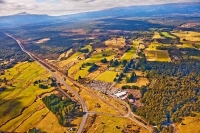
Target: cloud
point(2, 2)
point(63, 7)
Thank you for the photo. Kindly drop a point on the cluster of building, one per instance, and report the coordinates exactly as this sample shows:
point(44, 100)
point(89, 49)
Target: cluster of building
point(107, 88)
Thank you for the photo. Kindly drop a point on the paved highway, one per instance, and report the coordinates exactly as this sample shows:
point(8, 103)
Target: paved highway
point(129, 115)
point(40, 62)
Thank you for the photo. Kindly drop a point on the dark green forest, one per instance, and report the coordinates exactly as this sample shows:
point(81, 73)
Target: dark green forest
point(173, 92)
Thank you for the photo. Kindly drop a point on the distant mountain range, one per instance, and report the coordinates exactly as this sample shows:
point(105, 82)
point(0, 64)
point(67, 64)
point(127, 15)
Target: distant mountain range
point(122, 12)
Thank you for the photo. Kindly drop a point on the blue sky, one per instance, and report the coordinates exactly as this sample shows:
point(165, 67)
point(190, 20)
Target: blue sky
point(63, 7)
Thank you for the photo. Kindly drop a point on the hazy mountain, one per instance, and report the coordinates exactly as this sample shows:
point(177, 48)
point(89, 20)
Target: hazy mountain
point(22, 18)
point(132, 11)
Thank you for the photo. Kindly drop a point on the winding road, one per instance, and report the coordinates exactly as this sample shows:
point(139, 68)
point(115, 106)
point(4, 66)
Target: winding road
point(54, 73)
point(40, 62)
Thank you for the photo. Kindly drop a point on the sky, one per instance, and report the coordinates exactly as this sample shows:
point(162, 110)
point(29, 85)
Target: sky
point(64, 7)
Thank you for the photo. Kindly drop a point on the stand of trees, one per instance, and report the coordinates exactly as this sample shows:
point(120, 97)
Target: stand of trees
point(85, 50)
point(104, 60)
point(93, 68)
point(173, 93)
point(63, 109)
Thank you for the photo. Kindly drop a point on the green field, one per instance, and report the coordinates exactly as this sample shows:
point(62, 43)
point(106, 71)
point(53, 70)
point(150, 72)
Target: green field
point(21, 93)
point(83, 72)
point(74, 57)
point(168, 35)
point(129, 54)
point(96, 57)
point(107, 76)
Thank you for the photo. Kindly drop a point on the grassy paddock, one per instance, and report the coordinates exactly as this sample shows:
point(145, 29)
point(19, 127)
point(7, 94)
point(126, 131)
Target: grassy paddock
point(156, 35)
point(128, 55)
point(190, 125)
point(168, 35)
point(107, 76)
point(109, 124)
point(187, 35)
point(157, 55)
point(22, 94)
point(75, 71)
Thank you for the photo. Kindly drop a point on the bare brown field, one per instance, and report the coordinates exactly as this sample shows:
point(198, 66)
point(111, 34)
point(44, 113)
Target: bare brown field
point(111, 124)
point(115, 42)
point(65, 55)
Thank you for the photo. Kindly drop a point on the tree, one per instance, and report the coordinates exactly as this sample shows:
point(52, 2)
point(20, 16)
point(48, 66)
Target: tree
point(132, 78)
point(130, 96)
point(104, 60)
point(143, 90)
point(124, 62)
point(92, 68)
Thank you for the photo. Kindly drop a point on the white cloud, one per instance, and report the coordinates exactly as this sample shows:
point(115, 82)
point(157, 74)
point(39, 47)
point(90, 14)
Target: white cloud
point(63, 7)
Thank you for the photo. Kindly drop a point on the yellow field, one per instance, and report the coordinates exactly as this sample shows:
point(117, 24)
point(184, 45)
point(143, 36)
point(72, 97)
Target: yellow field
point(72, 59)
point(128, 55)
point(157, 55)
point(116, 42)
point(188, 35)
point(157, 35)
point(75, 71)
point(83, 72)
point(140, 82)
point(163, 56)
point(107, 76)
point(22, 95)
point(50, 124)
point(152, 46)
point(187, 45)
point(33, 120)
point(110, 124)
point(191, 125)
